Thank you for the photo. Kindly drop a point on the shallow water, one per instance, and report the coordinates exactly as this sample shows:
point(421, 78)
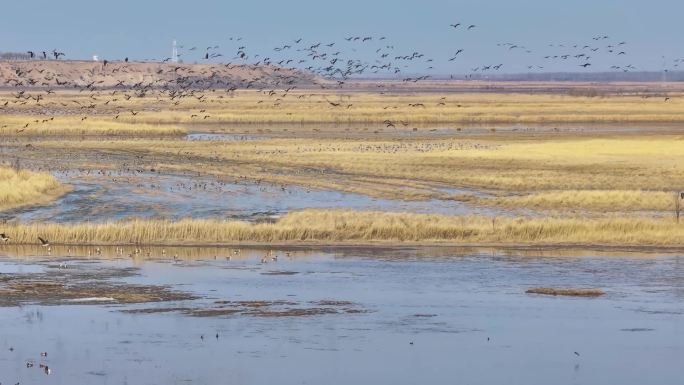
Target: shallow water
point(98, 198)
point(426, 315)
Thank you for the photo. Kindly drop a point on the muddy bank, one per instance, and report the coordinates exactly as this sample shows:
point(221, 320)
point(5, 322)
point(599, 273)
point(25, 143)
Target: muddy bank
point(83, 282)
point(254, 308)
point(61, 285)
point(565, 292)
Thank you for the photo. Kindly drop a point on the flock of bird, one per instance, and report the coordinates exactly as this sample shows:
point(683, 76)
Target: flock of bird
point(290, 65)
point(326, 60)
point(32, 363)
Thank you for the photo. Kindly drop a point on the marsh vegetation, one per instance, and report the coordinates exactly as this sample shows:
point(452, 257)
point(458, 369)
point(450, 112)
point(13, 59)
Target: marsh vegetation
point(577, 184)
point(22, 187)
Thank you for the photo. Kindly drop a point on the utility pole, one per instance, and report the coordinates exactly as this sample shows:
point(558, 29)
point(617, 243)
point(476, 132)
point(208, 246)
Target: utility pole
point(174, 53)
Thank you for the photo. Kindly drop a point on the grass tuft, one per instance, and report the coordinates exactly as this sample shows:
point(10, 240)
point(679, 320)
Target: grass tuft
point(22, 188)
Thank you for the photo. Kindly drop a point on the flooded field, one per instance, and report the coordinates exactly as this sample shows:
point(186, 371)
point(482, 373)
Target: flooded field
point(118, 196)
point(338, 316)
point(123, 180)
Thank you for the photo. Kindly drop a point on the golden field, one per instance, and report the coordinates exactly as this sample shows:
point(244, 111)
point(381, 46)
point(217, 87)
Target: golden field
point(405, 110)
point(340, 226)
point(604, 186)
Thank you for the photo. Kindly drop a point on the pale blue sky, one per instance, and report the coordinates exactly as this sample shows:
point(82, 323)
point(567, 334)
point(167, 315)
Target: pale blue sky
point(144, 29)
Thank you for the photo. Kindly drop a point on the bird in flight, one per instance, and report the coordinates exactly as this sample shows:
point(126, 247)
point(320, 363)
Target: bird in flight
point(455, 55)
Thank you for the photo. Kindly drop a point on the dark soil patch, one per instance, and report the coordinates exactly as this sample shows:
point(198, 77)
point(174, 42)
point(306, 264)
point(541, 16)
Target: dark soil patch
point(81, 286)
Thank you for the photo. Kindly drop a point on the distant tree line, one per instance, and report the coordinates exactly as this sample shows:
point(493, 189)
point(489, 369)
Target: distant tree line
point(14, 56)
point(30, 55)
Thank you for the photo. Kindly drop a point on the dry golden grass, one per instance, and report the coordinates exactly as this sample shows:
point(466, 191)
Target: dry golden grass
point(15, 125)
point(342, 226)
point(21, 188)
point(590, 200)
point(316, 106)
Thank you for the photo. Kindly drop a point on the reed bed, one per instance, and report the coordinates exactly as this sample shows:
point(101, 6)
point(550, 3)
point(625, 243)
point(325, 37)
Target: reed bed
point(316, 106)
point(344, 226)
point(21, 188)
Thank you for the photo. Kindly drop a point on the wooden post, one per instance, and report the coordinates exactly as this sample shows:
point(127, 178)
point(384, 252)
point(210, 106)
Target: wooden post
point(678, 204)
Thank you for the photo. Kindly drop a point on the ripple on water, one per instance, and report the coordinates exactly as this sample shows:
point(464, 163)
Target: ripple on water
point(416, 315)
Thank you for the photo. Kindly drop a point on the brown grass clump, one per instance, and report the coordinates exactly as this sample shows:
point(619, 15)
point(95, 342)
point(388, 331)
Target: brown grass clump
point(566, 292)
point(21, 188)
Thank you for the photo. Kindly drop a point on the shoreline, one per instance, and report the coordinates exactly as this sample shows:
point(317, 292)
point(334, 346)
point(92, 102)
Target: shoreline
point(390, 245)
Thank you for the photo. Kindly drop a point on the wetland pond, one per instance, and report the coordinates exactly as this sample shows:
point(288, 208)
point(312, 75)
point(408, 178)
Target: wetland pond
point(338, 315)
